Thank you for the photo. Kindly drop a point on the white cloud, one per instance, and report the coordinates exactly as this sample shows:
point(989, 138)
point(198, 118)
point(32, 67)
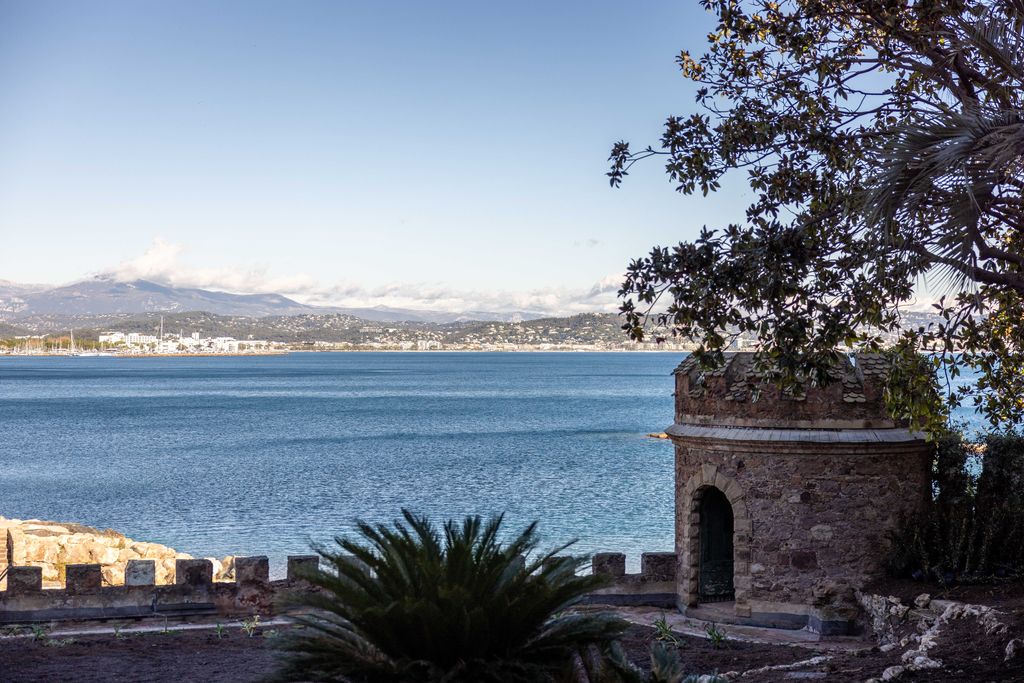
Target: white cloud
point(162, 262)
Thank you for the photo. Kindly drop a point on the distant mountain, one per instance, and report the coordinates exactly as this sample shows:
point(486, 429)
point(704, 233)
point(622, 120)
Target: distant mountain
point(108, 296)
point(102, 296)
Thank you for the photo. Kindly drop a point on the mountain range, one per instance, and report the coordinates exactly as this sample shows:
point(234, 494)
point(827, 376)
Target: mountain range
point(103, 295)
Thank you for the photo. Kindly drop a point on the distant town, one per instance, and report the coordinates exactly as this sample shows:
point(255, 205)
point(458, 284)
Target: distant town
point(209, 334)
point(206, 334)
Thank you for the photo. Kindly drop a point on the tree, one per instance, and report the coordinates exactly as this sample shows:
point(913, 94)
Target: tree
point(405, 602)
point(883, 143)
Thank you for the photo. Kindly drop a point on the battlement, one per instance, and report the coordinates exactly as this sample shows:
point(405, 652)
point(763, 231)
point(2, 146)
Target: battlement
point(738, 394)
point(84, 595)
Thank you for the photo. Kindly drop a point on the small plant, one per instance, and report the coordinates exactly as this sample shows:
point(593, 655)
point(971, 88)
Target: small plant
point(58, 642)
point(666, 667)
point(38, 633)
point(117, 633)
point(251, 624)
point(716, 635)
point(271, 633)
point(663, 632)
point(219, 630)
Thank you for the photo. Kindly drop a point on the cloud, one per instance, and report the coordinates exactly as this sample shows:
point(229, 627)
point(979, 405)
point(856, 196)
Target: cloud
point(162, 262)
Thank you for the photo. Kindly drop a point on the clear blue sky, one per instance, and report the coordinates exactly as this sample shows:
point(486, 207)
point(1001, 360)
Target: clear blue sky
point(340, 149)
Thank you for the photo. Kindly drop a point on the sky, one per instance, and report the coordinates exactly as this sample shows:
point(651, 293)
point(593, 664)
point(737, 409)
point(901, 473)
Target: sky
point(444, 155)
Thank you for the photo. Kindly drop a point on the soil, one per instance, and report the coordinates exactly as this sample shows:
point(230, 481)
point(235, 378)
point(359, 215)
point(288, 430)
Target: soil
point(178, 656)
point(1003, 594)
point(183, 656)
point(701, 656)
point(171, 657)
point(968, 655)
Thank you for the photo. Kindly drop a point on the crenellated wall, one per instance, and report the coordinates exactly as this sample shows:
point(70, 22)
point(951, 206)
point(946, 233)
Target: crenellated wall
point(194, 590)
point(53, 546)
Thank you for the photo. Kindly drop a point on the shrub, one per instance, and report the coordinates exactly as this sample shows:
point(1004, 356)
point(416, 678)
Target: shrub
point(409, 602)
point(973, 526)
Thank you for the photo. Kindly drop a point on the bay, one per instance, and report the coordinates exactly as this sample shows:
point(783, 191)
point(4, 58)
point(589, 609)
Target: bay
point(264, 454)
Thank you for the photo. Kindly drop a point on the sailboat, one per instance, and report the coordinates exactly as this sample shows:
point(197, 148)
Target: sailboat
point(90, 354)
point(72, 351)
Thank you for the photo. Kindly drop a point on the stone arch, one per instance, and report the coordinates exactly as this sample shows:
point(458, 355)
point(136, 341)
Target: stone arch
point(708, 476)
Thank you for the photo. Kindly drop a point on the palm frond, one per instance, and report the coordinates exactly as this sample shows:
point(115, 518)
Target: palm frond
point(409, 601)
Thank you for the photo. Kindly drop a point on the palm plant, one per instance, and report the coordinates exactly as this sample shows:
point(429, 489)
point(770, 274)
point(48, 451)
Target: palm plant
point(953, 177)
point(409, 602)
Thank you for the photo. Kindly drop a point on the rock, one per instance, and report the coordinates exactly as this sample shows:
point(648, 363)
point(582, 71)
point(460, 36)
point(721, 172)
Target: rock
point(1014, 649)
point(922, 601)
point(899, 611)
point(804, 560)
point(52, 546)
point(821, 533)
point(922, 662)
point(227, 571)
point(893, 672)
point(105, 555)
point(888, 647)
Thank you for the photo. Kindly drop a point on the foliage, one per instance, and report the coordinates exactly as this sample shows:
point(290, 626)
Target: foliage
point(882, 144)
point(716, 636)
point(973, 528)
point(666, 667)
point(663, 632)
point(409, 602)
point(250, 625)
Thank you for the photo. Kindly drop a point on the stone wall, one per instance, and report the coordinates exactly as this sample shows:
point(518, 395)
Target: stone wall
point(197, 590)
point(810, 522)
point(737, 395)
point(816, 478)
point(52, 546)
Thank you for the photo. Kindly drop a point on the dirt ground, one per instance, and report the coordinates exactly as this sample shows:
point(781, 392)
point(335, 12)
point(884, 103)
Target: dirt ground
point(185, 656)
point(1001, 594)
point(172, 657)
point(700, 656)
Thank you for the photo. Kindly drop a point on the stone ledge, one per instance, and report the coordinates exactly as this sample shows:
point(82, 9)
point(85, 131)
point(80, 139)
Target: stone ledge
point(829, 436)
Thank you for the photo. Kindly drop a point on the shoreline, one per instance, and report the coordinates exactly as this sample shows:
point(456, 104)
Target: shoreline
point(291, 351)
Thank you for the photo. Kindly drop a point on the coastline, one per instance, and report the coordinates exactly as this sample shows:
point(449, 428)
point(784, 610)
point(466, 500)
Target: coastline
point(291, 351)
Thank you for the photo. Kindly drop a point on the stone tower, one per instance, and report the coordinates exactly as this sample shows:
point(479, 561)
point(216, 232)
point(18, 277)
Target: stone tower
point(783, 502)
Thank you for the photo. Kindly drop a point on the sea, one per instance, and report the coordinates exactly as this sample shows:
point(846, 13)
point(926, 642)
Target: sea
point(268, 455)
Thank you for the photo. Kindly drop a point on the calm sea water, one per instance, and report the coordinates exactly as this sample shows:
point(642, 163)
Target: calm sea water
point(258, 455)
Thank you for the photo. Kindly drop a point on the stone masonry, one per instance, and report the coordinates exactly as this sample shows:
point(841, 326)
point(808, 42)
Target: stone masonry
point(815, 482)
point(197, 590)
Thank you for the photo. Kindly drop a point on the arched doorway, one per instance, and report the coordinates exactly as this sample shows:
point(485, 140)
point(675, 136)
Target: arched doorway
point(716, 550)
